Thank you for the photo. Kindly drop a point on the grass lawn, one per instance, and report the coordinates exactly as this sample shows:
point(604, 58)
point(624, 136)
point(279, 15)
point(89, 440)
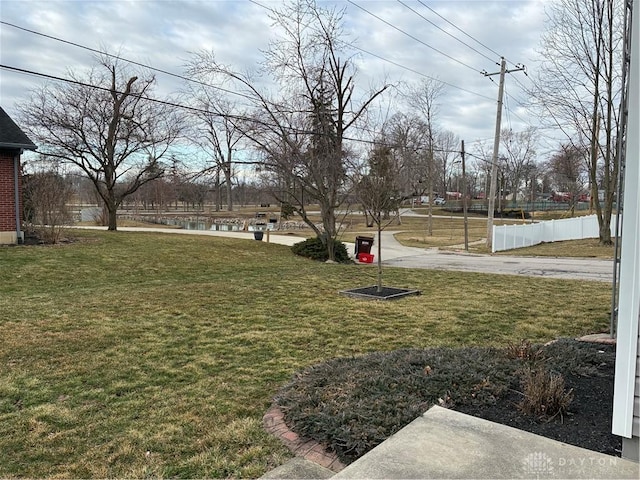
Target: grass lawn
point(137, 355)
point(587, 248)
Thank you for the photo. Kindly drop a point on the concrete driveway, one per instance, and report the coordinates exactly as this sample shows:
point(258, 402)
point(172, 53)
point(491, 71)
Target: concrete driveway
point(395, 254)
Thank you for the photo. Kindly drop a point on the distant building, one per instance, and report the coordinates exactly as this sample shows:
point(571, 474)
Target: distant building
point(13, 142)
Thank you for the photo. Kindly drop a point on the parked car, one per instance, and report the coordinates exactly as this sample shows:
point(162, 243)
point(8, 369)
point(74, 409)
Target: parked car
point(439, 201)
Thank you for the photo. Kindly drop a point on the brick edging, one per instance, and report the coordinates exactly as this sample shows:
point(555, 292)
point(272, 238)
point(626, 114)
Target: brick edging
point(306, 448)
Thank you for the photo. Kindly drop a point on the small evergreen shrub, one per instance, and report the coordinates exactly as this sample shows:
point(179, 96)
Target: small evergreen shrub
point(286, 211)
point(571, 357)
point(353, 404)
point(314, 249)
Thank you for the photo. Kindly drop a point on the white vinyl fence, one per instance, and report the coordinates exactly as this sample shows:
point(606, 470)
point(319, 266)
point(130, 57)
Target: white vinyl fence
point(508, 237)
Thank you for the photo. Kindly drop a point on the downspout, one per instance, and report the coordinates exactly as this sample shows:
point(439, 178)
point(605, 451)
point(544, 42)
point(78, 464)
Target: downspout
point(16, 184)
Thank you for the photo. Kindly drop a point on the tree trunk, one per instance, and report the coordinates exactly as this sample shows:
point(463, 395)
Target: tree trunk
point(112, 210)
point(379, 289)
point(329, 224)
point(605, 231)
point(227, 179)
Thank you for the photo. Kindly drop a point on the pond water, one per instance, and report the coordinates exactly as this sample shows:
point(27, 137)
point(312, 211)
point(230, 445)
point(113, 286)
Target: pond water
point(220, 227)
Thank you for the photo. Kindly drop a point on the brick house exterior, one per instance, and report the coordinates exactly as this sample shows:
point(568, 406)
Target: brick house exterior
point(13, 142)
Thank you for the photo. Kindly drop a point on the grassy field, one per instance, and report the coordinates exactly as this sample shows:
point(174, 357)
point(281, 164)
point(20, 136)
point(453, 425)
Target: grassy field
point(150, 355)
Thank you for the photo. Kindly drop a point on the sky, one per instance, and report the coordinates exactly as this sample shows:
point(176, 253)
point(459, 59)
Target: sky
point(452, 41)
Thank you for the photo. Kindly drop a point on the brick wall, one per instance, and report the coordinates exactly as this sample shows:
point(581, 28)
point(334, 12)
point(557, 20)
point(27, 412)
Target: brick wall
point(7, 195)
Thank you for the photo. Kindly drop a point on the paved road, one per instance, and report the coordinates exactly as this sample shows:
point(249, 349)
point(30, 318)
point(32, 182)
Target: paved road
point(395, 254)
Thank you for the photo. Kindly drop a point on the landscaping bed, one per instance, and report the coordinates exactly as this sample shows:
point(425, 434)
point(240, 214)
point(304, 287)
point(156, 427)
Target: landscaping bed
point(353, 404)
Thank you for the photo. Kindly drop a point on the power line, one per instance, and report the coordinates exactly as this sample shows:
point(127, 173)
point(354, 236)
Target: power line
point(133, 62)
point(462, 31)
point(524, 89)
point(186, 107)
point(396, 64)
point(444, 31)
point(109, 89)
point(192, 109)
point(413, 37)
point(511, 111)
point(507, 108)
point(181, 77)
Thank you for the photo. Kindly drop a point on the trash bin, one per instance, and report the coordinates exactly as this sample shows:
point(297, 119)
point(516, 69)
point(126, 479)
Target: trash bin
point(363, 245)
point(365, 257)
point(258, 234)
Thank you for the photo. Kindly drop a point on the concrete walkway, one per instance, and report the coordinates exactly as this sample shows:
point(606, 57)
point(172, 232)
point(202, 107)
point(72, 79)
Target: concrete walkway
point(447, 444)
point(281, 239)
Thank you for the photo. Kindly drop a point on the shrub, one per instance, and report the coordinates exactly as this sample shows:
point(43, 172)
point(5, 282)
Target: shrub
point(45, 196)
point(570, 357)
point(353, 404)
point(286, 211)
point(544, 393)
point(314, 248)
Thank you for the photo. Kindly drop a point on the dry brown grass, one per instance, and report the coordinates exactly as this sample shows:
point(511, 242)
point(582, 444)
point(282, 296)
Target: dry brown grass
point(151, 355)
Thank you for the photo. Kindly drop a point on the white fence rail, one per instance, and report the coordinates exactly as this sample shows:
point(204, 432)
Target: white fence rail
point(508, 237)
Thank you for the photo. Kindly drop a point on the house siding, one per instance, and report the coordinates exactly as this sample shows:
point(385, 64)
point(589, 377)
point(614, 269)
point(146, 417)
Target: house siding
point(626, 394)
point(636, 395)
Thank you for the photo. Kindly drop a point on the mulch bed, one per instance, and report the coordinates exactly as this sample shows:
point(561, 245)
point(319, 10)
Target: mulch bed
point(587, 424)
point(352, 404)
point(384, 293)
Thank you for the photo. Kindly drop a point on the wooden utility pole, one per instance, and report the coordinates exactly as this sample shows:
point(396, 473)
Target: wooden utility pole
point(496, 146)
point(464, 201)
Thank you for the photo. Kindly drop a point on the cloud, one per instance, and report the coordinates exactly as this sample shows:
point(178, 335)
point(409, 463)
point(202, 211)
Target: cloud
point(162, 33)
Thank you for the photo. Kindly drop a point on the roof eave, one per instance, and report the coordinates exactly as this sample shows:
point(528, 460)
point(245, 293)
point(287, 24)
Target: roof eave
point(18, 146)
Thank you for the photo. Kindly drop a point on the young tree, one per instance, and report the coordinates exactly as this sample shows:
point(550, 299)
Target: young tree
point(301, 131)
point(378, 192)
point(104, 123)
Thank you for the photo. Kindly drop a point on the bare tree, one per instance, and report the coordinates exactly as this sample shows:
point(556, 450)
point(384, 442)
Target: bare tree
point(104, 123)
point(567, 169)
point(301, 132)
point(379, 193)
point(216, 129)
point(407, 137)
point(447, 146)
point(424, 98)
point(518, 154)
point(579, 85)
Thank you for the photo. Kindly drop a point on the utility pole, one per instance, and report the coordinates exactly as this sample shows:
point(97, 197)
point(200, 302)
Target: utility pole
point(496, 146)
point(464, 200)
